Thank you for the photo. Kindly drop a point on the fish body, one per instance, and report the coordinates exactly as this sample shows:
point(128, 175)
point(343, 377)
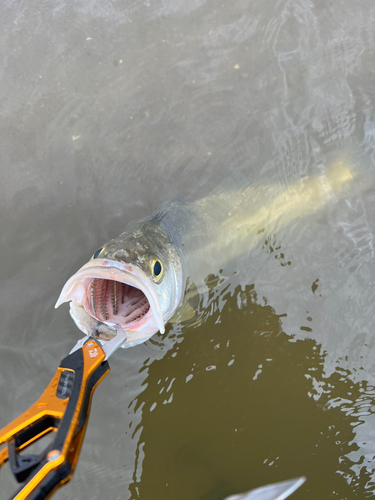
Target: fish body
point(140, 279)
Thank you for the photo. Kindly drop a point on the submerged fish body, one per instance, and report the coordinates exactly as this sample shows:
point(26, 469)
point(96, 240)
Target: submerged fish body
point(139, 279)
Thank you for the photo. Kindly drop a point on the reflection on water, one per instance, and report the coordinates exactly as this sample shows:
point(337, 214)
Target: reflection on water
point(233, 400)
point(110, 109)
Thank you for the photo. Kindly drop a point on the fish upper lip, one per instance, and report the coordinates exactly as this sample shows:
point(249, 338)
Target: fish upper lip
point(126, 273)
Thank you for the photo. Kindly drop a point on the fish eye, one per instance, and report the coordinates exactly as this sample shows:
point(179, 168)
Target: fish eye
point(97, 253)
point(157, 269)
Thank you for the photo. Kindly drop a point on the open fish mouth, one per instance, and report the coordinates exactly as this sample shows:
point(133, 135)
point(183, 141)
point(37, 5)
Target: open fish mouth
point(116, 293)
point(116, 302)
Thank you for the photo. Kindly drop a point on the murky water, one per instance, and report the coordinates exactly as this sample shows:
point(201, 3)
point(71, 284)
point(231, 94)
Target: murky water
point(109, 109)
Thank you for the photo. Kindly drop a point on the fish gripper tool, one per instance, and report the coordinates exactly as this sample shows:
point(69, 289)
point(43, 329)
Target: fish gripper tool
point(63, 409)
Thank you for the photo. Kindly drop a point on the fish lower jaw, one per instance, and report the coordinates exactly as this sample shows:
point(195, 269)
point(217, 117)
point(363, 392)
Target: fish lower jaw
point(133, 325)
point(142, 328)
point(136, 332)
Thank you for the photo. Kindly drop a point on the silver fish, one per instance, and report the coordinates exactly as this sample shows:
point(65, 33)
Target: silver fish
point(276, 491)
point(140, 279)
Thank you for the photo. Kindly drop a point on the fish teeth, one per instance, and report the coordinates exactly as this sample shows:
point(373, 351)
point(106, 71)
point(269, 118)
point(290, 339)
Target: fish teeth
point(114, 299)
point(94, 293)
point(99, 290)
point(105, 293)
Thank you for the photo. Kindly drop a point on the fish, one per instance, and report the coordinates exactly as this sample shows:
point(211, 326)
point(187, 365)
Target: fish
point(276, 491)
point(145, 277)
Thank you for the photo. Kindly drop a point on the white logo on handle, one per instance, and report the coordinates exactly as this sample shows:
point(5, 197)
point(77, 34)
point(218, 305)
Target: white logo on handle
point(93, 352)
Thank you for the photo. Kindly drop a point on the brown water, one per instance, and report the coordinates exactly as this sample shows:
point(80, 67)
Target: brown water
point(109, 109)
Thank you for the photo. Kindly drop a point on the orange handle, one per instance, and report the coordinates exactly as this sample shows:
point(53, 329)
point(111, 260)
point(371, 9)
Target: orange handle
point(63, 409)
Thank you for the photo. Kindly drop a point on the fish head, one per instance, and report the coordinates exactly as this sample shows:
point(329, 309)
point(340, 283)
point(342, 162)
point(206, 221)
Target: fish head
point(134, 281)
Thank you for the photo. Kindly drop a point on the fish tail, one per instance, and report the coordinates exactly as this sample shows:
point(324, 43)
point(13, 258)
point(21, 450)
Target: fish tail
point(338, 175)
